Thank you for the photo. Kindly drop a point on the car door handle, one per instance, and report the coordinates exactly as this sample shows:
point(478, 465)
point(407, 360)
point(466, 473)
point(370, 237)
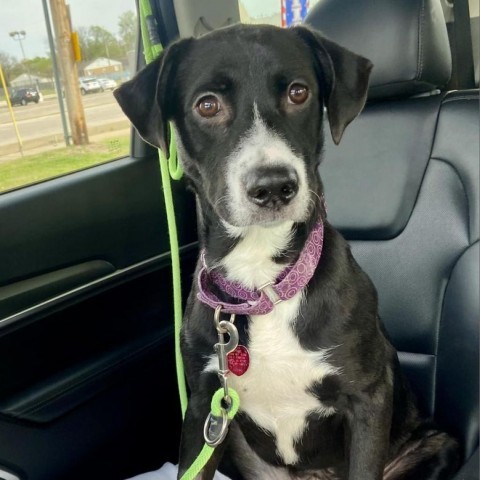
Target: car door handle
point(24, 294)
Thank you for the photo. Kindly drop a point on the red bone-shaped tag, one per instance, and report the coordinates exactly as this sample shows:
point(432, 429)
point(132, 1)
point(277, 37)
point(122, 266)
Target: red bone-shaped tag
point(238, 360)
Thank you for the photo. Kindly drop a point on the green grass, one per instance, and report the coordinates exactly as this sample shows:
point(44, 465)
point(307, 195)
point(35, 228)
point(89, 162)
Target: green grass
point(30, 169)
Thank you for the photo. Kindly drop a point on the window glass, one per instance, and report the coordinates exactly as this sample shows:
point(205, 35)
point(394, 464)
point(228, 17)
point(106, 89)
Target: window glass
point(33, 134)
point(282, 13)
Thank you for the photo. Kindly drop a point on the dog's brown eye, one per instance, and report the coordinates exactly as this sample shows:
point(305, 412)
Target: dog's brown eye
point(297, 93)
point(208, 106)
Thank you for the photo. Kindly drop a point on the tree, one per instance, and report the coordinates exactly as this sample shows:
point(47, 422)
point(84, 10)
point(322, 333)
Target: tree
point(10, 66)
point(83, 40)
point(96, 41)
point(127, 30)
point(40, 66)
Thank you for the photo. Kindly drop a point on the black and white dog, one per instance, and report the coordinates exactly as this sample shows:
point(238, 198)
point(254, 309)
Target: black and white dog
point(321, 392)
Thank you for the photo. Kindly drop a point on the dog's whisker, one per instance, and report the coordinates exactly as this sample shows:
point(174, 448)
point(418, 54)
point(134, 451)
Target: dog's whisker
point(313, 192)
point(219, 200)
point(315, 203)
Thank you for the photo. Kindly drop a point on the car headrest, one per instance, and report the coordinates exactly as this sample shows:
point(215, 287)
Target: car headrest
point(406, 40)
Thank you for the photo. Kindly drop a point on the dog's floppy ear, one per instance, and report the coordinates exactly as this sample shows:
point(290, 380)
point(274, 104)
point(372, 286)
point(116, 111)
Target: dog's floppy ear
point(345, 76)
point(145, 98)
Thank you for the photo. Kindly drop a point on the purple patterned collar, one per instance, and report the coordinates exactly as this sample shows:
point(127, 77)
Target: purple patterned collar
point(262, 300)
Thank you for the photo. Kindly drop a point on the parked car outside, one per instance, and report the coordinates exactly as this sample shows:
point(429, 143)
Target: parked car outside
point(107, 83)
point(89, 85)
point(22, 96)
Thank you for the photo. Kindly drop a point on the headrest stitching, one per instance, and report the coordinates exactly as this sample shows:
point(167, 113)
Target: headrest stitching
point(421, 22)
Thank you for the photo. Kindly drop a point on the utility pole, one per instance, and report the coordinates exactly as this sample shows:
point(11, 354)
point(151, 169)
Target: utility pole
point(68, 68)
point(56, 73)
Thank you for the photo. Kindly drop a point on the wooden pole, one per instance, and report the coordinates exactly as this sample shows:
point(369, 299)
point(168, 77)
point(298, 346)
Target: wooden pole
point(68, 68)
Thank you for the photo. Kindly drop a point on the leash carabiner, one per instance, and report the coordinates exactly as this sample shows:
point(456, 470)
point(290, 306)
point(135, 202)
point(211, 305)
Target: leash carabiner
point(217, 410)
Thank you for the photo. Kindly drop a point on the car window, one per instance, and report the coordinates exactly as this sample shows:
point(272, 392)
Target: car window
point(282, 13)
point(35, 142)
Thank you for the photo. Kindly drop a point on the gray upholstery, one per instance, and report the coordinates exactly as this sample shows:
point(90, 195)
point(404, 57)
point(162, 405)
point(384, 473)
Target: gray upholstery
point(406, 40)
point(403, 187)
point(397, 160)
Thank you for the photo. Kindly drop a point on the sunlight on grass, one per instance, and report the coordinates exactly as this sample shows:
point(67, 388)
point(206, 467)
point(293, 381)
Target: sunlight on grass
point(35, 168)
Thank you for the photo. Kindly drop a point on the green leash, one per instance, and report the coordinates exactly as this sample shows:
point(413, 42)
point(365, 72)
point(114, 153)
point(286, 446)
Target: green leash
point(218, 411)
point(168, 168)
point(172, 169)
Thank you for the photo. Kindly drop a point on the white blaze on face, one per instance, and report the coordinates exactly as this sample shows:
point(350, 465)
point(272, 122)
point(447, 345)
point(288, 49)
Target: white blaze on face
point(263, 147)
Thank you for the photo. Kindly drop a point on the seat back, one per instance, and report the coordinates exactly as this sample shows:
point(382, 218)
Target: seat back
point(403, 187)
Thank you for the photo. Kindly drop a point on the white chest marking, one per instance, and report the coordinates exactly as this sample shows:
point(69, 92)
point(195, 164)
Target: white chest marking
point(274, 389)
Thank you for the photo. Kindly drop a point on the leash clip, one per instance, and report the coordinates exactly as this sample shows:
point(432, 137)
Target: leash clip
point(216, 426)
point(223, 348)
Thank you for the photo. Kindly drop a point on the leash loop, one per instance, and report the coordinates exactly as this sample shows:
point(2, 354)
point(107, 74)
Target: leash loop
point(216, 425)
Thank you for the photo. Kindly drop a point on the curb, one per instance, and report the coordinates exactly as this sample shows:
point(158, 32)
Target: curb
point(57, 139)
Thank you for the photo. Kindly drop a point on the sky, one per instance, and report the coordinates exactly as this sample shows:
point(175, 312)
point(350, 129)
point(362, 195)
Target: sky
point(28, 15)
point(260, 8)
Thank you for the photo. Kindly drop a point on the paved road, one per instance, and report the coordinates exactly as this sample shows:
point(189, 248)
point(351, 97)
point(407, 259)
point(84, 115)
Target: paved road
point(42, 120)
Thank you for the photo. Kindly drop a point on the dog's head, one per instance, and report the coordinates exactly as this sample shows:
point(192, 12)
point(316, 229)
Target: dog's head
point(247, 104)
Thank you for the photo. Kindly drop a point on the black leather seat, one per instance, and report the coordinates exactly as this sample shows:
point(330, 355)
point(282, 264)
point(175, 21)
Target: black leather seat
point(403, 187)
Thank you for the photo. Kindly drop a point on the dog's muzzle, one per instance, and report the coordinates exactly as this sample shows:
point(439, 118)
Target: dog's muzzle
point(271, 187)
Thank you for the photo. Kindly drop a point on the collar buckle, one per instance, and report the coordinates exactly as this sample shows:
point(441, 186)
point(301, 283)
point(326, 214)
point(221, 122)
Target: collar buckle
point(270, 292)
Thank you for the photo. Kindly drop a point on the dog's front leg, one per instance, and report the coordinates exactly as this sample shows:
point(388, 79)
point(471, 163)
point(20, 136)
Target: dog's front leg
point(369, 428)
point(192, 440)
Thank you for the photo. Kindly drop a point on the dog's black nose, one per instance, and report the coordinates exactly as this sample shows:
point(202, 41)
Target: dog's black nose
point(271, 186)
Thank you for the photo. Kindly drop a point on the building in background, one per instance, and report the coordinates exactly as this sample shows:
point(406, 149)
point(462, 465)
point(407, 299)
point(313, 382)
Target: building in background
point(27, 80)
point(103, 66)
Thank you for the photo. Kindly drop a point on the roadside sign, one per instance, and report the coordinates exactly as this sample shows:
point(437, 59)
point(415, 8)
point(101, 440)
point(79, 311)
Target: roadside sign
point(294, 11)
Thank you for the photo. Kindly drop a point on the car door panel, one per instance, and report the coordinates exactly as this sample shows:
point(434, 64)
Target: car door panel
point(87, 210)
point(87, 371)
point(87, 366)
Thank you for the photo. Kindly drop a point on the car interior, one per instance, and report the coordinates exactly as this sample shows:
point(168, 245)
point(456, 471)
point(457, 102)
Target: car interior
point(88, 386)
